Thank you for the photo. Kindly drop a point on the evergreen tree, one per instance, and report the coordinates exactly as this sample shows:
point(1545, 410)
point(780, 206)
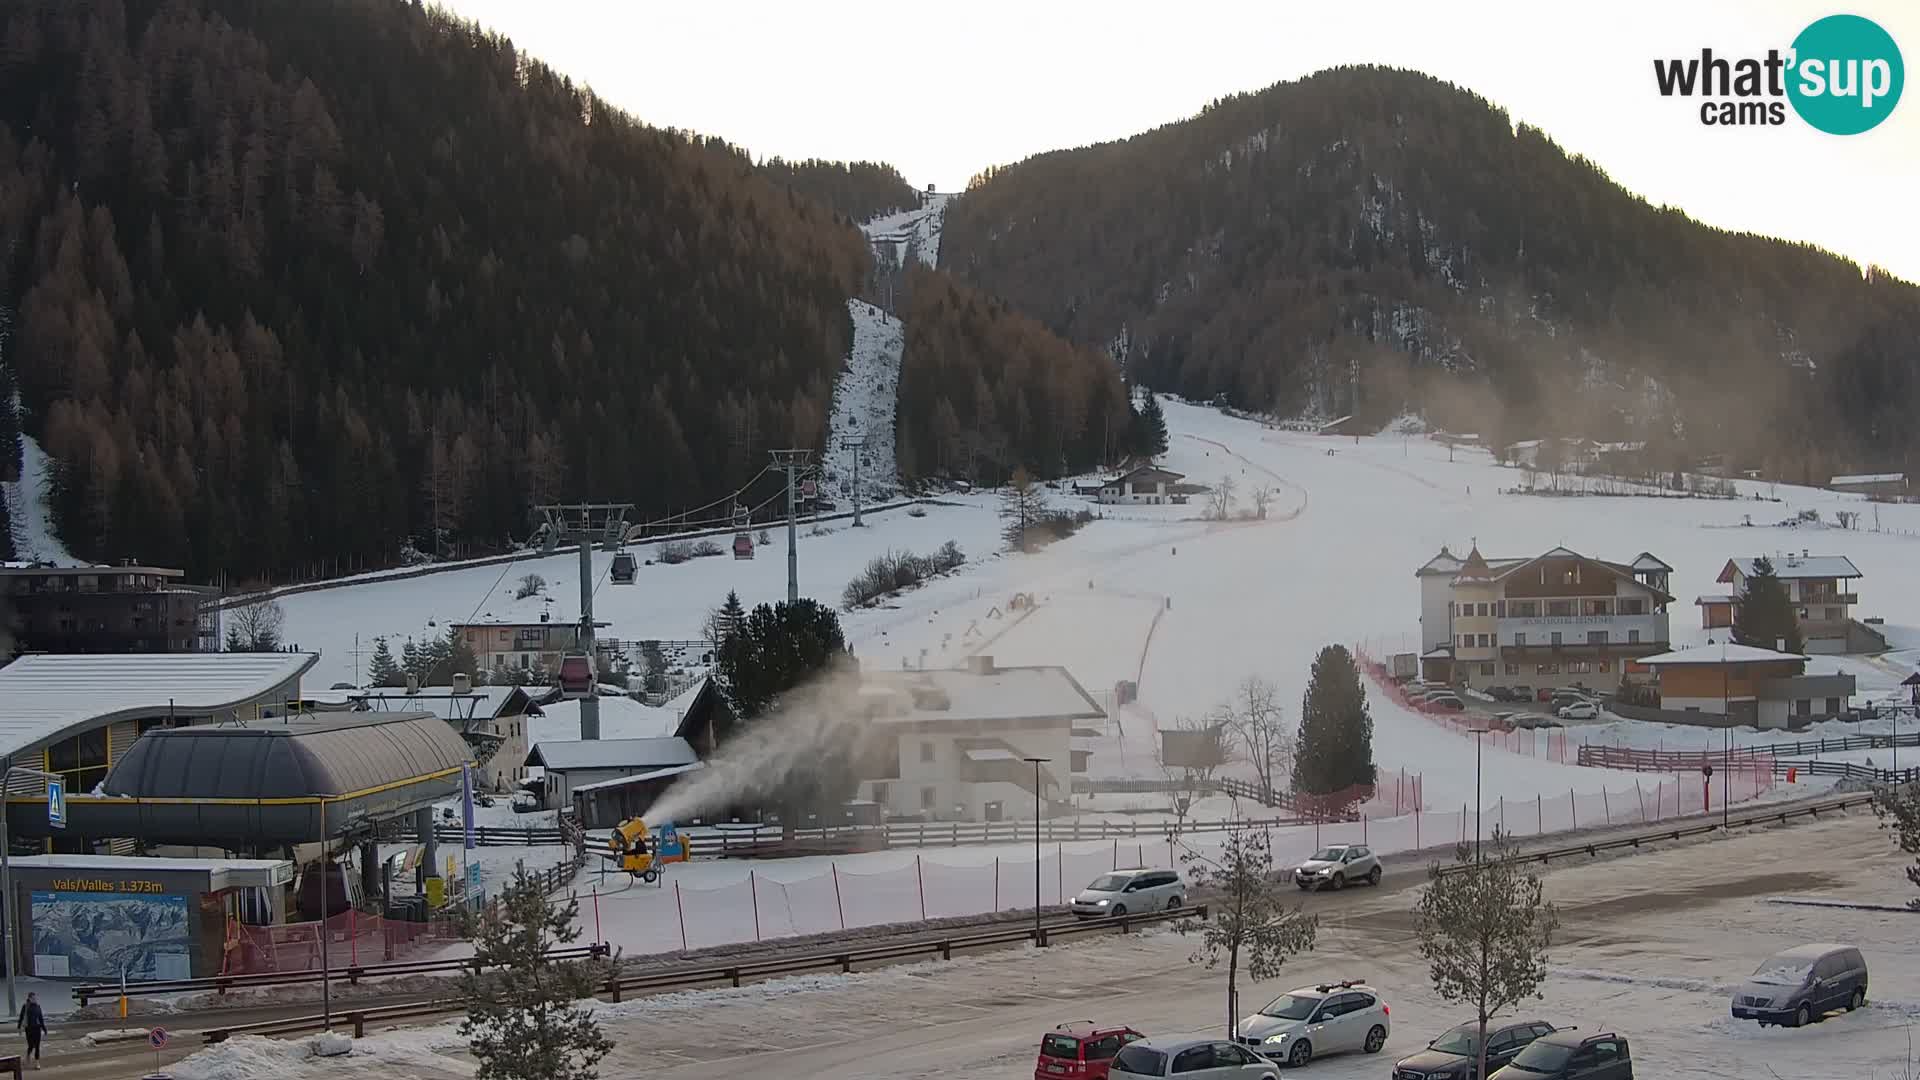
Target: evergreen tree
point(413, 662)
point(382, 670)
point(1766, 615)
point(731, 616)
point(523, 1021)
point(1335, 751)
point(451, 655)
point(798, 760)
point(1150, 428)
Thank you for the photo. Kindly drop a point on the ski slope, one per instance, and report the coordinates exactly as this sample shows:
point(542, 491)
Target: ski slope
point(863, 408)
point(911, 234)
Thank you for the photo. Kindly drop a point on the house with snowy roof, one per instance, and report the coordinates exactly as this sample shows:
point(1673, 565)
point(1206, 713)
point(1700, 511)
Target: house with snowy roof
point(1748, 685)
point(1141, 484)
point(1555, 619)
point(1820, 589)
point(1891, 485)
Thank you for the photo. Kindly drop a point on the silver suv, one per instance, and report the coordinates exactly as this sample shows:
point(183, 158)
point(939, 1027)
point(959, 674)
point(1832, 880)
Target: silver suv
point(1337, 867)
point(1132, 891)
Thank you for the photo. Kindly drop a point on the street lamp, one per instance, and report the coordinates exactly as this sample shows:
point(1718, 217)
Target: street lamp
point(1477, 744)
point(1912, 683)
point(6, 880)
point(1037, 762)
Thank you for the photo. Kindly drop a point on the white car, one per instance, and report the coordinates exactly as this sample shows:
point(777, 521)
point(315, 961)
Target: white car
point(1202, 1059)
point(1579, 710)
point(1310, 1022)
point(1133, 892)
point(1337, 867)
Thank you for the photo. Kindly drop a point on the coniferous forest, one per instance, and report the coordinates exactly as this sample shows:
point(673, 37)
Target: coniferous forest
point(293, 282)
point(1366, 240)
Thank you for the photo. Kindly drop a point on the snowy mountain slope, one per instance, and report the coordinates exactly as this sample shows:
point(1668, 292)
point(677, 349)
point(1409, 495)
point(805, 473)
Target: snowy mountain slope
point(912, 233)
point(33, 537)
point(863, 405)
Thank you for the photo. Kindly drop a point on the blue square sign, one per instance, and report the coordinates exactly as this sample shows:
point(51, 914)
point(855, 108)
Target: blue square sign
point(57, 804)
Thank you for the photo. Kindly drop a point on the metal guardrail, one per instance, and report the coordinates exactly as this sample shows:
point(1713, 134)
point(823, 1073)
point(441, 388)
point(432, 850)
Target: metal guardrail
point(1848, 770)
point(616, 987)
point(351, 974)
point(1594, 847)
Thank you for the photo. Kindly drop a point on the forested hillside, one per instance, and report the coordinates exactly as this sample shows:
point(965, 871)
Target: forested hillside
point(1366, 239)
point(984, 389)
point(297, 280)
point(856, 190)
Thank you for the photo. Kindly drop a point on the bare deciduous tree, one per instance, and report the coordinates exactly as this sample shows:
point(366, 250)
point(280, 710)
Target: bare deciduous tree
point(1249, 925)
point(530, 585)
point(1189, 759)
point(1220, 499)
point(255, 627)
point(1485, 929)
point(1257, 721)
point(1262, 497)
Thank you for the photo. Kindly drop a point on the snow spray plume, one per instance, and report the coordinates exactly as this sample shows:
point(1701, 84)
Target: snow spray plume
point(797, 757)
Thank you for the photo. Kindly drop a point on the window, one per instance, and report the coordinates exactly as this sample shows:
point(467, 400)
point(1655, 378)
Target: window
point(1512, 669)
point(929, 797)
point(1556, 637)
point(1500, 609)
point(1597, 607)
point(1578, 667)
point(1525, 609)
point(1485, 610)
point(1466, 640)
point(1832, 612)
point(1560, 607)
point(1547, 669)
point(1520, 639)
point(1229, 1056)
point(1633, 637)
point(1193, 1059)
point(1482, 640)
point(926, 751)
point(1633, 605)
point(1803, 707)
point(1607, 1050)
point(1103, 1048)
point(1604, 665)
point(1833, 706)
point(1487, 669)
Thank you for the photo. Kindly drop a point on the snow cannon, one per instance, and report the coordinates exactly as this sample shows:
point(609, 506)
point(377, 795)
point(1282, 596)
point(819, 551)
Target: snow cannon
point(643, 852)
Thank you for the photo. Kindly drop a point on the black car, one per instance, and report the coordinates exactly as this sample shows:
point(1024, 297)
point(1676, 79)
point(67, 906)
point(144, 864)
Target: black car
point(1456, 1054)
point(1567, 1054)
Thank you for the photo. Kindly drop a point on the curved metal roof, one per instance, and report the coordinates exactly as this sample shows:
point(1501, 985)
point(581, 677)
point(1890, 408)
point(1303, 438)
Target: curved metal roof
point(47, 698)
point(333, 756)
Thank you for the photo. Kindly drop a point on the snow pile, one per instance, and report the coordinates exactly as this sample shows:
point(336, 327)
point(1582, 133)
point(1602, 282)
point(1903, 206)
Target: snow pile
point(253, 1057)
point(863, 407)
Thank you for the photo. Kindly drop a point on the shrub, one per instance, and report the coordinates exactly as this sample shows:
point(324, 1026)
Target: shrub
point(895, 572)
point(675, 552)
point(706, 549)
point(916, 510)
point(530, 585)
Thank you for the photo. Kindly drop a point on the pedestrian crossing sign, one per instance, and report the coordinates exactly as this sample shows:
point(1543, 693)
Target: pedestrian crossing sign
point(57, 804)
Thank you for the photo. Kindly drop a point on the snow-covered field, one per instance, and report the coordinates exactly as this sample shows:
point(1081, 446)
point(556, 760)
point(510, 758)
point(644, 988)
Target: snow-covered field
point(1635, 955)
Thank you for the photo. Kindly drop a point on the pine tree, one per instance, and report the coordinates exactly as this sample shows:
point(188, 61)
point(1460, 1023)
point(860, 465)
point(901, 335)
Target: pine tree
point(1150, 429)
point(1766, 615)
point(412, 661)
point(1484, 930)
point(1335, 752)
point(523, 1022)
point(451, 655)
point(382, 671)
point(779, 651)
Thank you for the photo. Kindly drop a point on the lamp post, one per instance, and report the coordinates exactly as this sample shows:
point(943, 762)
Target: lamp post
point(1478, 742)
point(1912, 683)
point(1037, 762)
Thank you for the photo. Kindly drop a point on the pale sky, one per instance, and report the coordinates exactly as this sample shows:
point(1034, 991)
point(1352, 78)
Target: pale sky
point(941, 90)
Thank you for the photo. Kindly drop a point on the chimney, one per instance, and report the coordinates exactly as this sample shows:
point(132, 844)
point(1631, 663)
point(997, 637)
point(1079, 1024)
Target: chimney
point(980, 665)
point(413, 683)
point(462, 683)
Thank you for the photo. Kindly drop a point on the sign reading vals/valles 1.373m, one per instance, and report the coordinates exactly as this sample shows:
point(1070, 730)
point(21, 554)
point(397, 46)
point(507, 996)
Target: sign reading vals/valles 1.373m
point(105, 885)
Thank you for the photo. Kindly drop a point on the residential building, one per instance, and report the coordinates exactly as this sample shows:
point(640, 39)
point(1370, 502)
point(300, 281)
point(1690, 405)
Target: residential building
point(954, 744)
point(1818, 586)
point(109, 609)
point(1555, 619)
point(500, 645)
point(492, 719)
point(1761, 687)
point(1873, 485)
point(576, 763)
point(1142, 484)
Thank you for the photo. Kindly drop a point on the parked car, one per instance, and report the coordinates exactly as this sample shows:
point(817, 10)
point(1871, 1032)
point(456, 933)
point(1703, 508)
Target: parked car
point(1802, 985)
point(1498, 693)
point(1192, 1059)
point(1455, 1055)
point(1135, 891)
point(1568, 1055)
point(1522, 693)
point(1336, 867)
point(1534, 720)
point(1082, 1050)
point(1449, 702)
point(1545, 693)
point(1579, 710)
point(1312, 1021)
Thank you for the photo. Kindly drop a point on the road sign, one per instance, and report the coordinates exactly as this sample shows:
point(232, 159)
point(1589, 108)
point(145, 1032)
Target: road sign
point(473, 879)
point(57, 804)
point(157, 1038)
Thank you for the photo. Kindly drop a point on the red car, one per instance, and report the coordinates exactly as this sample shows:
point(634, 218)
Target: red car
point(1081, 1050)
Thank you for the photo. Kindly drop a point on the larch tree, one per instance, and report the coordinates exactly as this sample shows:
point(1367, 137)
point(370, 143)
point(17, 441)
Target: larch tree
point(1485, 929)
point(1023, 506)
point(1258, 722)
point(1249, 928)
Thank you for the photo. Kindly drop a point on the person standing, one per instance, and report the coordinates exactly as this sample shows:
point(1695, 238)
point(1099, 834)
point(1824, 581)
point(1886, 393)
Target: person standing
point(34, 1023)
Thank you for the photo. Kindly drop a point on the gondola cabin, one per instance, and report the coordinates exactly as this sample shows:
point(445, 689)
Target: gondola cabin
point(576, 676)
point(625, 567)
point(742, 546)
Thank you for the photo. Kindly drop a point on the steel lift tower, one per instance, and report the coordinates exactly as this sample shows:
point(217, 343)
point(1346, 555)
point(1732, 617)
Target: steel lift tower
point(585, 524)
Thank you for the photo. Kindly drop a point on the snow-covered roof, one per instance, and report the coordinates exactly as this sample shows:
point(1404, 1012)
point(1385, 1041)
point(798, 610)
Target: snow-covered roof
point(1005, 693)
point(480, 703)
point(991, 753)
point(1869, 478)
point(48, 697)
point(1444, 563)
point(1646, 560)
point(1724, 653)
point(612, 753)
point(1788, 567)
point(639, 778)
point(1713, 598)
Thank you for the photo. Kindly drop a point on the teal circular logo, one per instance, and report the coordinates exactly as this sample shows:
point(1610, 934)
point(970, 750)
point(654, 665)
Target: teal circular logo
point(1846, 75)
